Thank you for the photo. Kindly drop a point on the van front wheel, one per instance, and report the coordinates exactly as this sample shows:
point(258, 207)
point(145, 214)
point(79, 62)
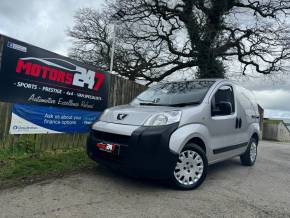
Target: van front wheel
point(191, 168)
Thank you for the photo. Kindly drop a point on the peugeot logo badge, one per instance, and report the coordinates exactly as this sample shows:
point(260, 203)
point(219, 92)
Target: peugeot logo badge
point(121, 116)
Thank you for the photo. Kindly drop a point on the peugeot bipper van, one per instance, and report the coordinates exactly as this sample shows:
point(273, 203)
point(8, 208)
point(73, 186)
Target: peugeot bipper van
point(175, 130)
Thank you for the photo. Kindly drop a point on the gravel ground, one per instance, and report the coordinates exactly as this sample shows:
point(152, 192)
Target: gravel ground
point(230, 190)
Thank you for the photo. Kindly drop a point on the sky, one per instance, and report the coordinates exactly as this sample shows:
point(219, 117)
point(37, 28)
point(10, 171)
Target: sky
point(45, 23)
point(273, 94)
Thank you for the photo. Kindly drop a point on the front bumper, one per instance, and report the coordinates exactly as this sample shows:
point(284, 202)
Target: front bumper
point(146, 152)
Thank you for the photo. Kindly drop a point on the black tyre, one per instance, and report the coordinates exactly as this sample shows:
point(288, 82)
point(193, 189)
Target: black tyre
point(250, 156)
point(191, 168)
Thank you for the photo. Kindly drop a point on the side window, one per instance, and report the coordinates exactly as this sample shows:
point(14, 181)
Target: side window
point(223, 102)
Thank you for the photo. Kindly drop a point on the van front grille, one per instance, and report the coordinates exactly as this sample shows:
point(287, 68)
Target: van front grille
point(111, 137)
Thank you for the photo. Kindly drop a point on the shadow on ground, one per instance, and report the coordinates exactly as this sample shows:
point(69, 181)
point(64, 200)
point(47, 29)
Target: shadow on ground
point(125, 179)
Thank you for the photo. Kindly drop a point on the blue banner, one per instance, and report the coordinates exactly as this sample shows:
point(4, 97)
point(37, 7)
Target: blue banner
point(32, 119)
point(31, 75)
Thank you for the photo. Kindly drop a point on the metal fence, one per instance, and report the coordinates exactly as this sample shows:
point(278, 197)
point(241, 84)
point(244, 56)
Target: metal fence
point(122, 91)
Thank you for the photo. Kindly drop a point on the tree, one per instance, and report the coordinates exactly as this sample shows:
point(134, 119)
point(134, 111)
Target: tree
point(92, 44)
point(206, 34)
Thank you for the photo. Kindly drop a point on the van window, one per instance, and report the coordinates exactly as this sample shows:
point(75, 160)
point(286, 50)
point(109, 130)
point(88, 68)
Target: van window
point(223, 102)
point(175, 94)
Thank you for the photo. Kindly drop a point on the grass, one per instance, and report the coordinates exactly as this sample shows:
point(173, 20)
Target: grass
point(20, 167)
point(272, 121)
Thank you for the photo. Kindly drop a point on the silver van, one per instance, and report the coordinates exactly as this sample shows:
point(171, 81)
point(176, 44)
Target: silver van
point(175, 130)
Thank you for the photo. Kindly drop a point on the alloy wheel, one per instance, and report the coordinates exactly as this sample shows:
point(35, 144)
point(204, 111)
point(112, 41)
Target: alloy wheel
point(189, 167)
point(253, 151)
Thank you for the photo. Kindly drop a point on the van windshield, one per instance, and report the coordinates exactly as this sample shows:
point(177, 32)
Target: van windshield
point(176, 94)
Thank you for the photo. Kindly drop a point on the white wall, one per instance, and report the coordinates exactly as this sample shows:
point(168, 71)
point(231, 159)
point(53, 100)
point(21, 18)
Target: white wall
point(283, 133)
point(270, 131)
point(276, 131)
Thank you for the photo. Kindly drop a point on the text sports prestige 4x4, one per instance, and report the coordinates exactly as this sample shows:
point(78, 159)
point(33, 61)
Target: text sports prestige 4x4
point(175, 130)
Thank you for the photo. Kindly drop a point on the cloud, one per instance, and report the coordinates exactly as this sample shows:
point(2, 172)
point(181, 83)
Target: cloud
point(42, 23)
point(275, 99)
point(272, 93)
point(277, 114)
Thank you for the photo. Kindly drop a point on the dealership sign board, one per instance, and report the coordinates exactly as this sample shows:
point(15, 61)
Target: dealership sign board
point(34, 119)
point(32, 75)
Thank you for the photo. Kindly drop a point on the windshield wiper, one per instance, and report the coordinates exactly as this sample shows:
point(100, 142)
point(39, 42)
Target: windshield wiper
point(153, 104)
point(171, 105)
point(184, 104)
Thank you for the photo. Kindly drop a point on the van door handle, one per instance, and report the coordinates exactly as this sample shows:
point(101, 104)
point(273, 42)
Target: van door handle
point(255, 117)
point(240, 122)
point(237, 123)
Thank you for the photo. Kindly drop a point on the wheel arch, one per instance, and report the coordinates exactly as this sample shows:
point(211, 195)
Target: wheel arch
point(256, 137)
point(196, 133)
point(198, 141)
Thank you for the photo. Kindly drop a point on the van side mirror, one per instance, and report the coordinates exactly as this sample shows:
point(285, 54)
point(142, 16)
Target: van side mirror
point(222, 108)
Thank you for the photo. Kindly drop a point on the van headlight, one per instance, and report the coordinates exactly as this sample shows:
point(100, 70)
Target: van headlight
point(101, 117)
point(104, 114)
point(164, 118)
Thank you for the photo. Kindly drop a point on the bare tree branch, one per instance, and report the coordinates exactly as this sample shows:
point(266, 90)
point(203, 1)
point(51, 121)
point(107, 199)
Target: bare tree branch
point(157, 38)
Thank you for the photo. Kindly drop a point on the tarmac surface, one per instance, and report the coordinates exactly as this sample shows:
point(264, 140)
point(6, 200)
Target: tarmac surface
point(230, 190)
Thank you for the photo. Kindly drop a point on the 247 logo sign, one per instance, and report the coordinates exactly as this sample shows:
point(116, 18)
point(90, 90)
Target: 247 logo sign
point(32, 75)
point(60, 71)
